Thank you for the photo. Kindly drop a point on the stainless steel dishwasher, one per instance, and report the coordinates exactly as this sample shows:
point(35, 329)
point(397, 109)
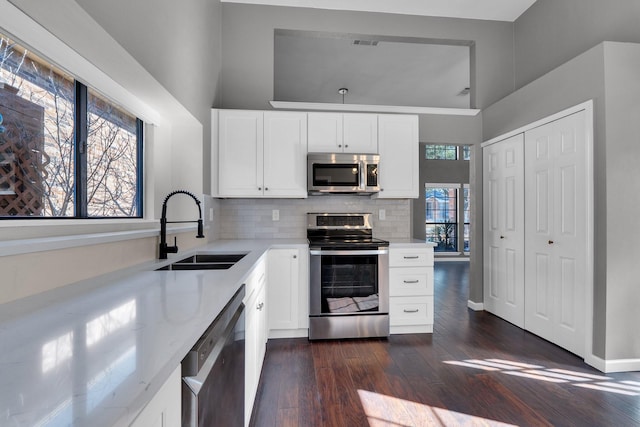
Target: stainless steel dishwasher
point(213, 371)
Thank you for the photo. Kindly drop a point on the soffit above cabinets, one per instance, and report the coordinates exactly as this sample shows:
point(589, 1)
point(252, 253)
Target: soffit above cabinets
point(492, 10)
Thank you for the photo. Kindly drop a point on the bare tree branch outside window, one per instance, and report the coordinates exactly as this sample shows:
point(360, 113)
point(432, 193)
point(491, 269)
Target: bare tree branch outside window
point(37, 105)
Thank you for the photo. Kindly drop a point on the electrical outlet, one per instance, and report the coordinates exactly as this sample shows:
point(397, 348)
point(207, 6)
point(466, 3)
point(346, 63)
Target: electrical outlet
point(210, 214)
point(275, 215)
point(382, 214)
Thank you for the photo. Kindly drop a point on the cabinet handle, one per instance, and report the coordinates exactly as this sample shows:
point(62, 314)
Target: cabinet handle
point(411, 311)
point(295, 256)
point(339, 145)
point(502, 237)
point(259, 188)
point(550, 242)
point(346, 145)
point(411, 257)
point(266, 189)
point(260, 306)
point(411, 281)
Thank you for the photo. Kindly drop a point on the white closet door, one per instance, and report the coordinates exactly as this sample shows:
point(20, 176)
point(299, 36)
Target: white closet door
point(556, 206)
point(504, 229)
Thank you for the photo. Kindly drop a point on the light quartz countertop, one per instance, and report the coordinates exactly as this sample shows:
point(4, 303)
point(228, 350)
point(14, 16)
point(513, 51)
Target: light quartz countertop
point(94, 353)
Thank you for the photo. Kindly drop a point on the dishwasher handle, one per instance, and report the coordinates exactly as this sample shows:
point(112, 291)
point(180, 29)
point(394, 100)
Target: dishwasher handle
point(196, 382)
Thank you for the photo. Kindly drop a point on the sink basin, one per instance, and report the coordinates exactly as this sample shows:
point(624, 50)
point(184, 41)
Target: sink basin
point(212, 258)
point(205, 262)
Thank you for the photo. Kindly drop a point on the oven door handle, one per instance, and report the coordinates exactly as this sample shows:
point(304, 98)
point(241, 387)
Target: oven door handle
point(349, 252)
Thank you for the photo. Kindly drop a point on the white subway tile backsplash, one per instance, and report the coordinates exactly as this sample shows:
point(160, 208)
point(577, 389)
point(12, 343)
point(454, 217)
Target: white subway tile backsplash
point(252, 218)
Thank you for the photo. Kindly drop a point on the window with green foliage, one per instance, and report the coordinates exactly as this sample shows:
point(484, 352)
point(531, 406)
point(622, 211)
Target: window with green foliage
point(66, 151)
point(447, 152)
point(444, 205)
point(441, 152)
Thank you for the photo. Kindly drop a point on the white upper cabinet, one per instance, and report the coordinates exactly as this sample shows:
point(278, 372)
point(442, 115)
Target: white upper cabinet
point(240, 148)
point(325, 132)
point(343, 133)
point(285, 154)
point(261, 154)
point(399, 154)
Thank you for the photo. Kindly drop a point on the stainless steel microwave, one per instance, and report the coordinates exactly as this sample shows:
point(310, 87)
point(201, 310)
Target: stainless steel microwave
point(342, 173)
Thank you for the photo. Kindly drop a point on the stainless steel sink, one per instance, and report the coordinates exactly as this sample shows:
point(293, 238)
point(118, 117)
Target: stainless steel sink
point(211, 261)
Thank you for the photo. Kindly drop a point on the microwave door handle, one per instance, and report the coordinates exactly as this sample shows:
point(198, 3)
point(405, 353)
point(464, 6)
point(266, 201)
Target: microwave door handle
point(362, 183)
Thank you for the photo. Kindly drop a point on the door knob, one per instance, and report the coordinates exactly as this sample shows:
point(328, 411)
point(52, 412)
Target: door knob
point(550, 242)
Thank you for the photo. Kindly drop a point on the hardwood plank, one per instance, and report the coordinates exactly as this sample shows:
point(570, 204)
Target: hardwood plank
point(405, 381)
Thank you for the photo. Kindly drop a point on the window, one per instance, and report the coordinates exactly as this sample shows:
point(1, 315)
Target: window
point(466, 211)
point(66, 151)
point(447, 152)
point(466, 152)
point(442, 212)
point(441, 152)
point(442, 218)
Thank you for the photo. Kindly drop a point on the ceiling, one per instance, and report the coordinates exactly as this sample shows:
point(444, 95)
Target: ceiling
point(493, 10)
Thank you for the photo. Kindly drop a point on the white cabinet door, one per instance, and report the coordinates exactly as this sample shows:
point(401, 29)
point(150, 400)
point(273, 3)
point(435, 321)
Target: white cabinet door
point(255, 334)
point(343, 133)
point(556, 202)
point(165, 408)
point(283, 292)
point(360, 133)
point(399, 153)
point(240, 148)
point(325, 132)
point(503, 165)
point(285, 154)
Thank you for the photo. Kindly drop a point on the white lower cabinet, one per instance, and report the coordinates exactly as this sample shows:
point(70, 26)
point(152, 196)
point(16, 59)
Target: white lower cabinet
point(164, 409)
point(288, 293)
point(410, 289)
point(255, 334)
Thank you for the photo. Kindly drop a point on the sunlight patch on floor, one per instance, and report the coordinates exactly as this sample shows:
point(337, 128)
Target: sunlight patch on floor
point(575, 378)
point(388, 411)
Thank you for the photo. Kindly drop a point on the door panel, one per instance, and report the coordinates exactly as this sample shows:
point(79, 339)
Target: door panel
point(504, 222)
point(555, 251)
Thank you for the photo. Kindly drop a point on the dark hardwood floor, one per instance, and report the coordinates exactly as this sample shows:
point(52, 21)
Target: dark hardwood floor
point(405, 380)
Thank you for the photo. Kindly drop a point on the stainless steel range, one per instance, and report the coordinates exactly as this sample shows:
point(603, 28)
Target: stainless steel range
point(349, 277)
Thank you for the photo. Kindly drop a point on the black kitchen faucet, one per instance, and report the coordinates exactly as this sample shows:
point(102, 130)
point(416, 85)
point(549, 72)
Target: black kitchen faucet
point(164, 248)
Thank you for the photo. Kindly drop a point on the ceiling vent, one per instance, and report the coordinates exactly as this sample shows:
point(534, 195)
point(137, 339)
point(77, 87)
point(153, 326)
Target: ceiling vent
point(366, 42)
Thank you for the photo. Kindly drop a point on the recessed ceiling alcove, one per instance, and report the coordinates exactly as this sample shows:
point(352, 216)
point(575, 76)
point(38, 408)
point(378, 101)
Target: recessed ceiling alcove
point(376, 70)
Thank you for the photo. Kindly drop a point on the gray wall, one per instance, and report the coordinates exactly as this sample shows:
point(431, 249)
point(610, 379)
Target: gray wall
point(607, 74)
point(546, 36)
point(179, 44)
point(551, 32)
point(248, 41)
point(248, 64)
point(622, 88)
point(572, 83)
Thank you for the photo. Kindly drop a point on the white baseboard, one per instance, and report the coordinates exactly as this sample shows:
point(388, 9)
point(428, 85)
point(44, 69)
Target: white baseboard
point(613, 365)
point(411, 329)
point(288, 333)
point(475, 306)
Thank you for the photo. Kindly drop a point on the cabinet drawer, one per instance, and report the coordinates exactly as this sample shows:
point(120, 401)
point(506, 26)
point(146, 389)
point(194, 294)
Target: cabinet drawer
point(410, 281)
point(409, 257)
point(411, 310)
